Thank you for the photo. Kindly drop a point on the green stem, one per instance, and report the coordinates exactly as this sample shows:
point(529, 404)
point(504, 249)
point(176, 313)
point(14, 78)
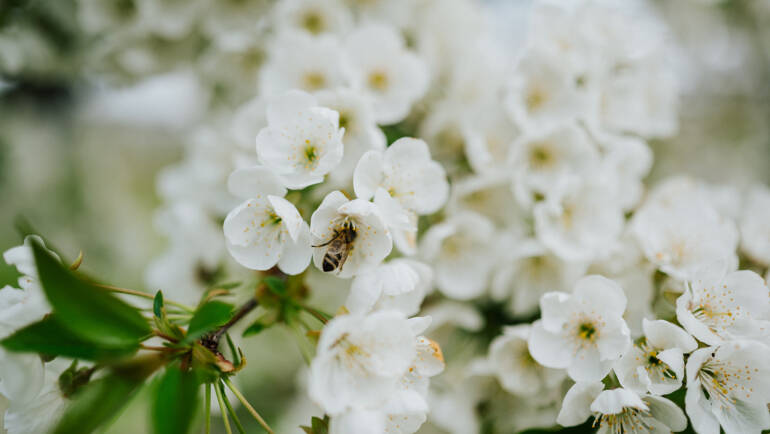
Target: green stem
point(320, 316)
point(143, 294)
point(230, 410)
point(208, 408)
point(248, 406)
point(223, 410)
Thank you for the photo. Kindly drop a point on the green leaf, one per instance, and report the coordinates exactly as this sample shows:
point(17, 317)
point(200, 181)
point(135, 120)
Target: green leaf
point(207, 318)
point(97, 403)
point(157, 304)
point(85, 309)
point(317, 426)
point(228, 285)
point(264, 321)
point(277, 286)
point(175, 402)
point(51, 338)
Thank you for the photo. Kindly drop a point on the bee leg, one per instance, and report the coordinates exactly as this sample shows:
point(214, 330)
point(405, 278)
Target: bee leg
point(334, 237)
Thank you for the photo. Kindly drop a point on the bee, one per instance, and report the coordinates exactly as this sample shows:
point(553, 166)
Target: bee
point(339, 248)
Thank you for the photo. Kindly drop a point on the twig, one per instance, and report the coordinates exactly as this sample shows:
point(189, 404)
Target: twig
point(248, 406)
point(243, 311)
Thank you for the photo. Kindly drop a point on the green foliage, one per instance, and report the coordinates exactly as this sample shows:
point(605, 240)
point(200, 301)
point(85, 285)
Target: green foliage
point(157, 304)
point(264, 321)
point(276, 285)
point(86, 310)
point(73, 378)
point(175, 401)
point(317, 426)
point(207, 318)
point(98, 403)
point(51, 338)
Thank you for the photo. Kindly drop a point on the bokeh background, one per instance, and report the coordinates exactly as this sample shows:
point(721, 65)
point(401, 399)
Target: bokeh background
point(82, 141)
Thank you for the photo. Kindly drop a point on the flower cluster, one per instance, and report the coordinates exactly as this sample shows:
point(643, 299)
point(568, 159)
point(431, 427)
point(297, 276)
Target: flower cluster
point(446, 176)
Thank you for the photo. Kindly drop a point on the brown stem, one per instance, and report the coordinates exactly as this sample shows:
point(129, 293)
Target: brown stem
point(212, 340)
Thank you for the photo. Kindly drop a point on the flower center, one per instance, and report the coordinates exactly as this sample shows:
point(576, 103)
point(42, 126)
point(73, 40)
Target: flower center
point(314, 80)
point(535, 99)
point(630, 420)
point(378, 81)
point(587, 331)
point(313, 22)
point(540, 156)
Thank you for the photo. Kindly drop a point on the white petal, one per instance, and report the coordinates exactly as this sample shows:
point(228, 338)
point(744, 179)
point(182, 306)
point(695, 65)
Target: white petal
point(599, 291)
point(663, 334)
point(296, 254)
point(667, 412)
point(290, 218)
point(251, 238)
point(253, 182)
point(576, 407)
point(549, 349)
point(286, 107)
point(368, 174)
point(703, 422)
point(587, 365)
point(615, 400)
point(358, 422)
point(394, 215)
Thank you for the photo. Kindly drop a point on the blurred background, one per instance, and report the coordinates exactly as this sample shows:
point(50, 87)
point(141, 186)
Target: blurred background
point(86, 128)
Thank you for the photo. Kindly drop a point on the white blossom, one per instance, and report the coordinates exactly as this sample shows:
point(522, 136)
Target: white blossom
point(266, 229)
point(385, 71)
point(514, 367)
point(371, 244)
point(656, 365)
point(302, 141)
point(729, 385)
point(620, 410)
point(718, 308)
point(459, 250)
point(584, 331)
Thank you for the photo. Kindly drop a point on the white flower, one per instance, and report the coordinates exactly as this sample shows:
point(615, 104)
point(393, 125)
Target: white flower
point(514, 366)
point(407, 173)
point(546, 161)
point(371, 243)
point(680, 232)
point(266, 229)
point(385, 71)
point(488, 139)
point(583, 332)
point(717, 308)
point(312, 16)
point(755, 225)
point(626, 161)
point(620, 410)
point(405, 410)
point(400, 284)
point(582, 224)
point(26, 304)
point(404, 181)
point(299, 61)
point(729, 385)
point(361, 131)
point(360, 361)
point(527, 271)
point(302, 141)
point(656, 365)
point(459, 250)
point(542, 92)
point(44, 403)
